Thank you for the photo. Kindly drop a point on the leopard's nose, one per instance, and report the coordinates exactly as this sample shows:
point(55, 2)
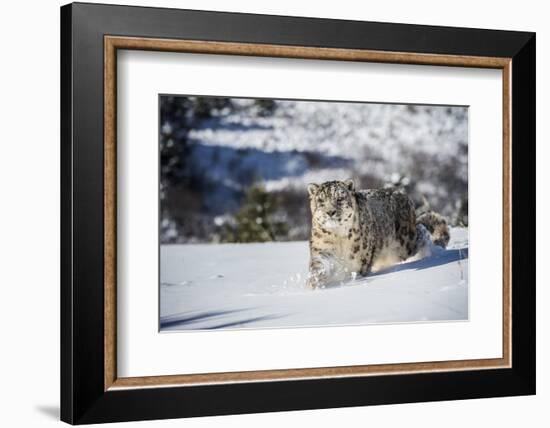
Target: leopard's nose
point(331, 213)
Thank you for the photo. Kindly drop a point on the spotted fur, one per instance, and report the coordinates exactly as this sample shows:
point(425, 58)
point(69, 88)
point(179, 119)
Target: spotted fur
point(437, 226)
point(354, 230)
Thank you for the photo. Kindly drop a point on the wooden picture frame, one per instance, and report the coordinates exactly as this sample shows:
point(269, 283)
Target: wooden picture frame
point(91, 391)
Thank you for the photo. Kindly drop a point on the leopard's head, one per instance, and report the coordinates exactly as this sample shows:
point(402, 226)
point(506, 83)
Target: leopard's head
point(333, 205)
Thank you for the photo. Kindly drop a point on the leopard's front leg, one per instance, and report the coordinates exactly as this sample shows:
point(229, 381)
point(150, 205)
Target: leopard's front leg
point(318, 272)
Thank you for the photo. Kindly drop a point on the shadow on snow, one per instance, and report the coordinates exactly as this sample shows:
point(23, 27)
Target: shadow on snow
point(223, 173)
point(442, 257)
point(189, 320)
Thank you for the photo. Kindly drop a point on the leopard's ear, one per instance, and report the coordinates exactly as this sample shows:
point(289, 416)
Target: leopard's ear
point(350, 184)
point(312, 189)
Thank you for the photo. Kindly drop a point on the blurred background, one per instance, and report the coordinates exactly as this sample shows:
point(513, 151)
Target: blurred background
point(236, 169)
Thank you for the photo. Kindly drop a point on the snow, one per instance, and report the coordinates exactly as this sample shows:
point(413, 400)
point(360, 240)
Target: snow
point(206, 286)
point(313, 125)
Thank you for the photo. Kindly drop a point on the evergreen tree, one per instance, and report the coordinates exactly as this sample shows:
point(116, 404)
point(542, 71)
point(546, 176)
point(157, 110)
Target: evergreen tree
point(256, 220)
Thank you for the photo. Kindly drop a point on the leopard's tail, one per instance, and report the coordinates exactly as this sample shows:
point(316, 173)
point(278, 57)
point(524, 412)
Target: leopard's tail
point(437, 226)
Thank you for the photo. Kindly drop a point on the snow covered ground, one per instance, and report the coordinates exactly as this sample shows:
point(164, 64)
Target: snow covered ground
point(206, 286)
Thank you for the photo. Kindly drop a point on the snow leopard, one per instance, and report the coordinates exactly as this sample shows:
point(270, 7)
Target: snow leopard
point(353, 231)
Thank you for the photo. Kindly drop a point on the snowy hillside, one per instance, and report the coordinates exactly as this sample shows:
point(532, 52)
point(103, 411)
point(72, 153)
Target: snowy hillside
point(374, 134)
point(349, 139)
point(214, 149)
point(262, 285)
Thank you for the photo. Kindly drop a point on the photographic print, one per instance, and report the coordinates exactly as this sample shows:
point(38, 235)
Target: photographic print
point(278, 213)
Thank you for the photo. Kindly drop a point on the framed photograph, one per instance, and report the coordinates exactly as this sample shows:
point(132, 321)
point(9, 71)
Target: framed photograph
point(265, 213)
